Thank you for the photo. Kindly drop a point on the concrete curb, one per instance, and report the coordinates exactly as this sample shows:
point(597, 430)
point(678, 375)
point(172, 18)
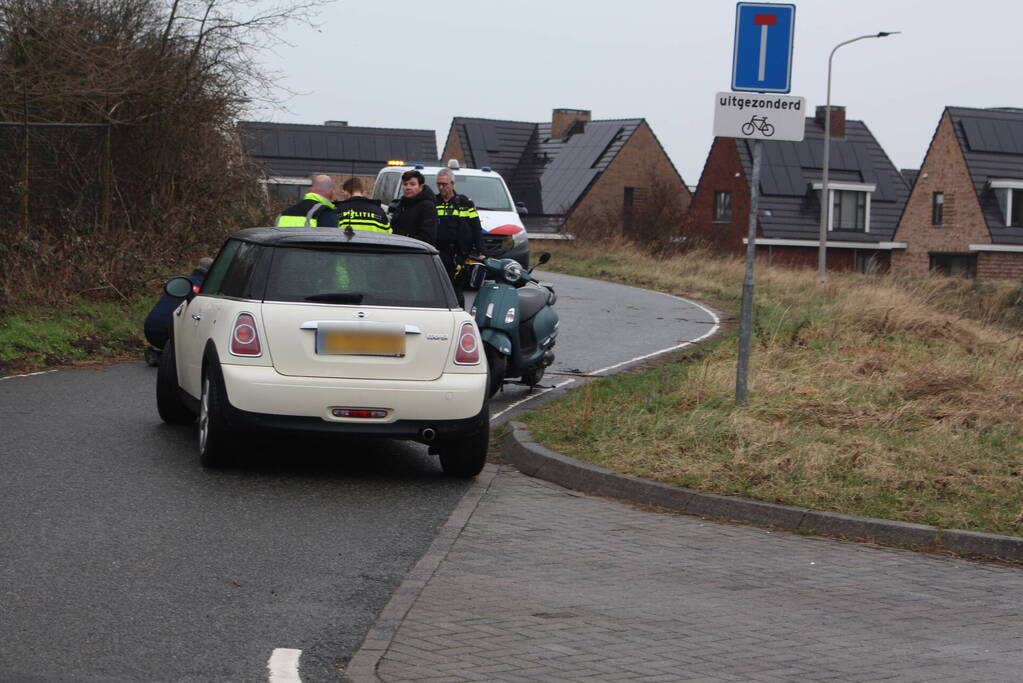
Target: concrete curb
point(535, 460)
point(362, 668)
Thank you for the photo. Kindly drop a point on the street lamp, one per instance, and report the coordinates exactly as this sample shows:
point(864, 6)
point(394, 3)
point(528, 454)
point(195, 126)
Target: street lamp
point(822, 267)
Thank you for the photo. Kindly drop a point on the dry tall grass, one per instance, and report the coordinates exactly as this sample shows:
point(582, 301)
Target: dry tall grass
point(866, 397)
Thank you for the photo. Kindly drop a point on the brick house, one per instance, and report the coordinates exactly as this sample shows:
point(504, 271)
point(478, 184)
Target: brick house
point(965, 213)
point(290, 153)
point(867, 197)
point(572, 169)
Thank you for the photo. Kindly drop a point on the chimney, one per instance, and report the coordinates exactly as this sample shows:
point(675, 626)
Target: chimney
point(563, 119)
point(339, 124)
point(837, 120)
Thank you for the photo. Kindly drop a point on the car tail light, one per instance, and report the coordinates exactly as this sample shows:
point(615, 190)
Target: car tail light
point(468, 349)
point(244, 338)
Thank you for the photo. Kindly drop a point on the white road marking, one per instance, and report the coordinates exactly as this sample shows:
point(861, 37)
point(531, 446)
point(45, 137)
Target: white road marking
point(713, 330)
point(530, 398)
point(283, 665)
point(31, 374)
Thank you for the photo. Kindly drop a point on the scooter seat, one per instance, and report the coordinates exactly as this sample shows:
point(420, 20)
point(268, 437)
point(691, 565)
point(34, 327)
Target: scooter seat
point(531, 300)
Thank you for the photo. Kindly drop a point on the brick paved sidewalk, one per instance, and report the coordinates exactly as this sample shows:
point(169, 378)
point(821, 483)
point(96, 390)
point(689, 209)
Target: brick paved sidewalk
point(537, 583)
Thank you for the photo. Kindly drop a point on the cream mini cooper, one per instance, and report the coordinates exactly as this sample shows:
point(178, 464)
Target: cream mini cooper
point(322, 331)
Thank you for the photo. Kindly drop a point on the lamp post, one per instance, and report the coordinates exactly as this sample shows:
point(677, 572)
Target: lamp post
point(822, 259)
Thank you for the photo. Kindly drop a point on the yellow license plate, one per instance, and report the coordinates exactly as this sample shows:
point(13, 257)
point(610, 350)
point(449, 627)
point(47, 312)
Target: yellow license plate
point(380, 339)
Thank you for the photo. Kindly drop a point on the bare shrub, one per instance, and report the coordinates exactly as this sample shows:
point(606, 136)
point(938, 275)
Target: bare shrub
point(125, 164)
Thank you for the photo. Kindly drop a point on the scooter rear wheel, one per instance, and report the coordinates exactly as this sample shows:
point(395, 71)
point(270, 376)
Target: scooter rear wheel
point(497, 366)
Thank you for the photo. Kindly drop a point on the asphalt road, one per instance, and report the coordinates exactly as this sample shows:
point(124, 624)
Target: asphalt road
point(122, 560)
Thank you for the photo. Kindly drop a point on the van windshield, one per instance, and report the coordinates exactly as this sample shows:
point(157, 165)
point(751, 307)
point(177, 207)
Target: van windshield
point(488, 194)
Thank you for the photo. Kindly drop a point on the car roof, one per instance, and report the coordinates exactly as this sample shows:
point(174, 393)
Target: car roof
point(433, 169)
point(332, 237)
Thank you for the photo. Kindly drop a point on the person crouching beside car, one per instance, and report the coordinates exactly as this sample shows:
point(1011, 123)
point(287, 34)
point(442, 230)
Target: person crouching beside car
point(416, 213)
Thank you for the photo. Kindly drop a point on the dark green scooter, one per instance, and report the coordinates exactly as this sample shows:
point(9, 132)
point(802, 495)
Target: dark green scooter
point(516, 316)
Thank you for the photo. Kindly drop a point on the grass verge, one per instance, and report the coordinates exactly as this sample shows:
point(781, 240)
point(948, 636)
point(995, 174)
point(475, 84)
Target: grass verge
point(37, 338)
point(870, 396)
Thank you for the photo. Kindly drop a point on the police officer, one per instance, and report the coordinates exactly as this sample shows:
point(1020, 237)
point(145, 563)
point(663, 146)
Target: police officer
point(316, 210)
point(459, 232)
point(359, 212)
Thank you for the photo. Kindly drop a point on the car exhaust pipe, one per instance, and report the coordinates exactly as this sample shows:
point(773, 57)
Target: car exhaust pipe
point(427, 433)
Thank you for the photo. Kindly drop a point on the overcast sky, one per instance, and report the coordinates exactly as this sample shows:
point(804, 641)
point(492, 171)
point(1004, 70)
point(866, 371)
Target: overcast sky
point(417, 65)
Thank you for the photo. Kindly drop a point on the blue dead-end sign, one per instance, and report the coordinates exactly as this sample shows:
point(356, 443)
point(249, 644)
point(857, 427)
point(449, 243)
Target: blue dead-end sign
point(762, 61)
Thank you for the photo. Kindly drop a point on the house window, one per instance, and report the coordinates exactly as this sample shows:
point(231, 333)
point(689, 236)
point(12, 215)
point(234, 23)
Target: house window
point(954, 265)
point(937, 208)
point(869, 262)
point(723, 206)
point(1010, 201)
point(849, 208)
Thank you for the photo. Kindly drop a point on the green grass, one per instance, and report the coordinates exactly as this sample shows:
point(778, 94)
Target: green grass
point(868, 396)
point(42, 337)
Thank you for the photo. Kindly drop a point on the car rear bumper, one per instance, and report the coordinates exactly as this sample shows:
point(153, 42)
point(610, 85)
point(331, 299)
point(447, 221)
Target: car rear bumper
point(261, 398)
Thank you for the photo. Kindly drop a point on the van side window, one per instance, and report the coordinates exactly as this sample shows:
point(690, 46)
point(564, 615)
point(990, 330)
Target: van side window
point(386, 187)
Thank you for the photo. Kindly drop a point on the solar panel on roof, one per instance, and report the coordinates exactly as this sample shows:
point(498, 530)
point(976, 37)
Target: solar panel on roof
point(490, 138)
point(477, 144)
point(993, 135)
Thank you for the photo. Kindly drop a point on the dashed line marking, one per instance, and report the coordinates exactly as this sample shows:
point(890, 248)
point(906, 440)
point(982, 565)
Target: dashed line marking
point(31, 374)
point(283, 665)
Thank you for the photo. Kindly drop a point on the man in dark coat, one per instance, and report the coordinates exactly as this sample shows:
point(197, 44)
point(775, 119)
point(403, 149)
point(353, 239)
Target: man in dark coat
point(416, 213)
point(459, 232)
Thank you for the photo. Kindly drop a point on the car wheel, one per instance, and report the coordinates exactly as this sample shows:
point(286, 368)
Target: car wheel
point(497, 367)
point(533, 376)
point(466, 456)
point(214, 434)
point(168, 398)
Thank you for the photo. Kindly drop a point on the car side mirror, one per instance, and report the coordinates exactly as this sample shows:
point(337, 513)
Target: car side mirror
point(521, 208)
point(179, 287)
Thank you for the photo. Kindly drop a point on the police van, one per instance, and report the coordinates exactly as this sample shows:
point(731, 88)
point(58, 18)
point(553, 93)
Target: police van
point(504, 234)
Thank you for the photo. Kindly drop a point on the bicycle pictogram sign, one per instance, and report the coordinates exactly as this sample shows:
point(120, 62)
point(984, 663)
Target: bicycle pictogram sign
point(758, 123)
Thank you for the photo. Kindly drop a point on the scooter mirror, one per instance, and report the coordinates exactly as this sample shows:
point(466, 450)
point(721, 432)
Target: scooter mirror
point(544, 258)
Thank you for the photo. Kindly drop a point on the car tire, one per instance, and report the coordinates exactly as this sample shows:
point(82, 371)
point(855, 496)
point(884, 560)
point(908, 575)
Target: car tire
point(497, 367)
point(214, 434)
point(465, 457)
point(168, 397)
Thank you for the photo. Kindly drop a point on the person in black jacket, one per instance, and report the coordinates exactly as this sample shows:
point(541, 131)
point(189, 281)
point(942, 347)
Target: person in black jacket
point(416, 213)
point(359, 212)
point(459, 232)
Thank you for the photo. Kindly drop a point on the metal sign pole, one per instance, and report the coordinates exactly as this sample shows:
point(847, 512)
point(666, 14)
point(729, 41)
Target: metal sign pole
point(746, 316)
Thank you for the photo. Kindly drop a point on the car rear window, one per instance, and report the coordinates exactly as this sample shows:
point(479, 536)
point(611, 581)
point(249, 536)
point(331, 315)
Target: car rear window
point(358, 278)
